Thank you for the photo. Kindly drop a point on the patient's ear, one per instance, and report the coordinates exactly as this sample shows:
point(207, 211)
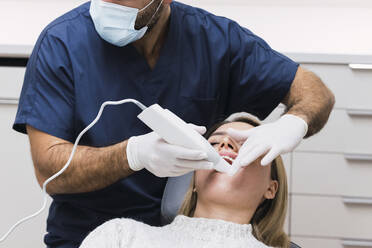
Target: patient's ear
point(271, 190)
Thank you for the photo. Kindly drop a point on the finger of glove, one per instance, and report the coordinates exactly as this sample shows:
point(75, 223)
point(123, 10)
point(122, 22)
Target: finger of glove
point(185, 153)
point(168, 171)
point(253, 155)
point(248, 146)
point(157, 172)
point(195, 165)
point(239, 135)
point(179, 171)
point(199, 129)
point(270, 156)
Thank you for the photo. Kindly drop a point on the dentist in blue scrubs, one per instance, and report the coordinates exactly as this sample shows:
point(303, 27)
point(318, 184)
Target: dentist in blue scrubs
point(200, 66)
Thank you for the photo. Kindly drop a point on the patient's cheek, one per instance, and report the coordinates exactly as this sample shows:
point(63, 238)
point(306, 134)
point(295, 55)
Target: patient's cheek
point(201, 177)
point(201, 174)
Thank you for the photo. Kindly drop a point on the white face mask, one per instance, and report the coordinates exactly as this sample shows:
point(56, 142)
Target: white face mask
point(115, 23)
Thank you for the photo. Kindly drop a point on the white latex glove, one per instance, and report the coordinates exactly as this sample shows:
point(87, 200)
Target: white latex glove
point(162, 159)
point(272, 139)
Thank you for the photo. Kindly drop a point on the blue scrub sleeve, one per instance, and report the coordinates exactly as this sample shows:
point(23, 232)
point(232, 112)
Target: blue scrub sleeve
point(260, 77)
point(47, 98)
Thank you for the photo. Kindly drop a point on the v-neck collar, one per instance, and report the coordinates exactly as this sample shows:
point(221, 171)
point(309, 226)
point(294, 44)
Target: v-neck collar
point(166, 50)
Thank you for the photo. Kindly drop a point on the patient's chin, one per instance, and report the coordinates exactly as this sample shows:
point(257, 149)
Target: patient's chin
point(242, 189)
point(221, 183)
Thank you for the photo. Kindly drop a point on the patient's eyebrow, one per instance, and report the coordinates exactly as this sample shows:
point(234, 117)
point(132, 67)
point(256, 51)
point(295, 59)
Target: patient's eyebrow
point(218, 133)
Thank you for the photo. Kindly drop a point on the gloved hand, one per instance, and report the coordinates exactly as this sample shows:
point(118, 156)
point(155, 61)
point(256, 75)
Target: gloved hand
point(162, 159)
point(272, 139)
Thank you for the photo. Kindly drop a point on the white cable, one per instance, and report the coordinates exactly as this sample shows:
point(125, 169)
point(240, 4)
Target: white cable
point(143, 107)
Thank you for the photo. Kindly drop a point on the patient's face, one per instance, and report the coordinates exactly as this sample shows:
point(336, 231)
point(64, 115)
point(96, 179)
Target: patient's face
point(247, 188)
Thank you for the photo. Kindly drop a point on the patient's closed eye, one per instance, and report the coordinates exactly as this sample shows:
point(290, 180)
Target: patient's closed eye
point(217, 143)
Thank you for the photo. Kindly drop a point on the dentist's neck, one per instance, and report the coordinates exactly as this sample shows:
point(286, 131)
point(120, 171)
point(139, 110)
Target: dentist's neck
point(149, 46)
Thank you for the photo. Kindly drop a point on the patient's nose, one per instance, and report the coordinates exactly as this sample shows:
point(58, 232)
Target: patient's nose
point(228, 144)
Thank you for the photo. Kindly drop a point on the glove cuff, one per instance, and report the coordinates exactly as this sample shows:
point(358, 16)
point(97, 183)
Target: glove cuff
point(299, 119)
point(132, 155)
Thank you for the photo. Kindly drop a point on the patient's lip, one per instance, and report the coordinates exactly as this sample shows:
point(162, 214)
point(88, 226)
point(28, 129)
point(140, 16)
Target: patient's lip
point(227, 153)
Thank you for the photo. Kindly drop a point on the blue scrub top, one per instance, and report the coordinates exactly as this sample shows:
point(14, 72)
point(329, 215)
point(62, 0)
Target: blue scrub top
point(209, 67)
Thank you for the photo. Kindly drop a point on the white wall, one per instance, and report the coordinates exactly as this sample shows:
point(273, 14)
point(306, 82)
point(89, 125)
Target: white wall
point(295, 26)
point(290, 26)
point(317, 3)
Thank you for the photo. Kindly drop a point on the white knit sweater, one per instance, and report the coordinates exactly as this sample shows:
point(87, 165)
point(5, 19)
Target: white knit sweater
point(183, 232)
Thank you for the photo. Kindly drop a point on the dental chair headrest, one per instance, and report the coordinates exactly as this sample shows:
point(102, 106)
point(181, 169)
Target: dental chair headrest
point(173, 196)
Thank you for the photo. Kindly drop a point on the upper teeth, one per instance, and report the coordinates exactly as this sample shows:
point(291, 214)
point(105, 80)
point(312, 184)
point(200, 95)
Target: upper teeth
point(227, 157)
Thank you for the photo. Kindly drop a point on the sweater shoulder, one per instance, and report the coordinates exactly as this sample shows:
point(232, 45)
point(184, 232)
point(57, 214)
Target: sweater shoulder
point(114, 233)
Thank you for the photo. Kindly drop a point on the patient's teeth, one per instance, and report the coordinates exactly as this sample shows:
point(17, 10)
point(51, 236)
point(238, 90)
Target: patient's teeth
point(227, 157)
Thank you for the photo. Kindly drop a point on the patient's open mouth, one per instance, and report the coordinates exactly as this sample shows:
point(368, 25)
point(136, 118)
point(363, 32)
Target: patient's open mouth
point(228, 159)
point(228, 156)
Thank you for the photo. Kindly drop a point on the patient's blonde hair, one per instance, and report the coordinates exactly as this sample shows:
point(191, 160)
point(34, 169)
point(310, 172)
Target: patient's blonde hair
point(268, 220)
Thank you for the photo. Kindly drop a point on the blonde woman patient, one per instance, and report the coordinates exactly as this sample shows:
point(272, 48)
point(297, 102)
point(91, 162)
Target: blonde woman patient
point(245, 210)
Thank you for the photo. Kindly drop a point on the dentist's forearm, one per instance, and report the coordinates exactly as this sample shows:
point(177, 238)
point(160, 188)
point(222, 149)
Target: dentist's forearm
point(309, 99)
point(91, 168)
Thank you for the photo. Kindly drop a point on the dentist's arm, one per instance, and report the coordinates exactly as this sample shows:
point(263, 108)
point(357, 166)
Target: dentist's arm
point(309, 104)
point(91, 168)
point(310, 100)
point(95, 168)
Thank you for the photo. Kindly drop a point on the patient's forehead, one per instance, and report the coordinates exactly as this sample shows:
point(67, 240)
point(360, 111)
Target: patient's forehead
point(236, 125)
